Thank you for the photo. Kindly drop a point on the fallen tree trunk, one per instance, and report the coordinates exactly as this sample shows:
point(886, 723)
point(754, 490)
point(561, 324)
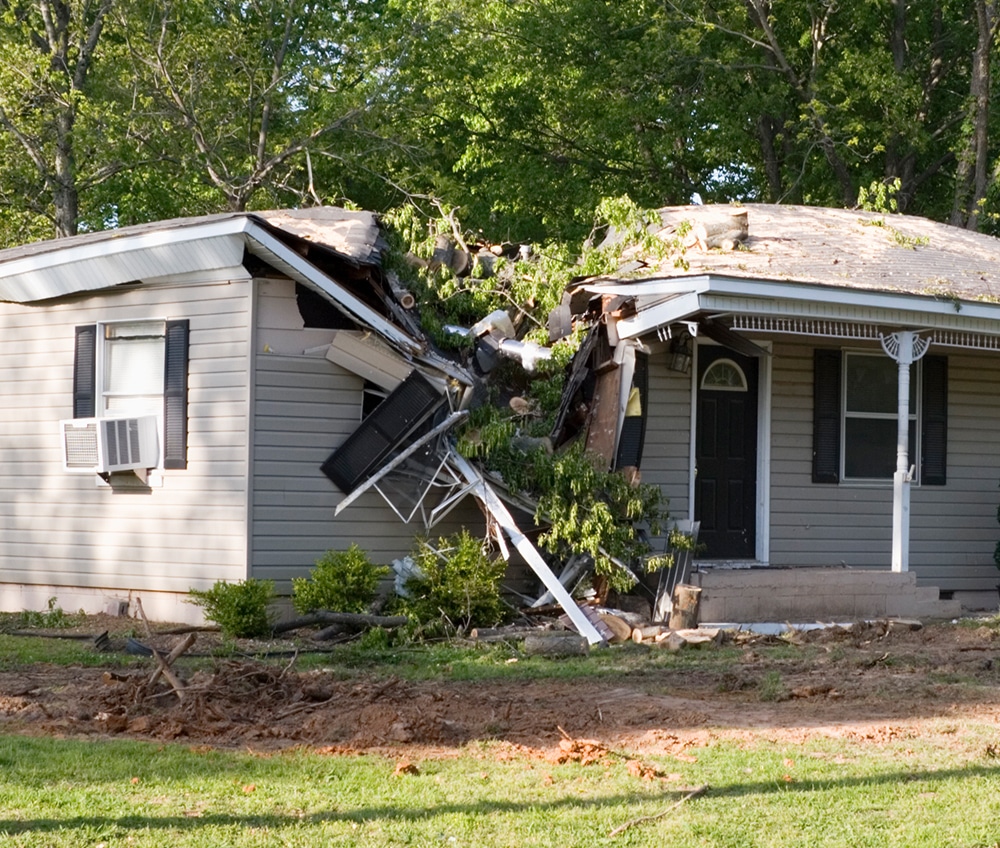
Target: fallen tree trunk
point(348, 620)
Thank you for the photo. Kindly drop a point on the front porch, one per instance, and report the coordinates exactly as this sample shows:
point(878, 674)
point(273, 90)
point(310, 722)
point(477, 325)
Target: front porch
point(805, 594)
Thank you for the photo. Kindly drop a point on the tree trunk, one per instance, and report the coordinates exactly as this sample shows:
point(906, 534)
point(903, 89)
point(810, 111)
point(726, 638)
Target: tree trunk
point(971, 174)
point(768, 128)
point(65, 195)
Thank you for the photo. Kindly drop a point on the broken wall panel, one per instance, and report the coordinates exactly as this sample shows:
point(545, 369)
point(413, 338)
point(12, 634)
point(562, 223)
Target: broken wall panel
point(633, 432)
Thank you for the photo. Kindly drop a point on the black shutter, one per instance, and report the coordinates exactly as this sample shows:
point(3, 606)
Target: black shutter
point(934, 435)
point(85, 372)
point(175, 374)
point(826, 416)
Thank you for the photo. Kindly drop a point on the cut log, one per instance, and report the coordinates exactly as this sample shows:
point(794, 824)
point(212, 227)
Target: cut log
point(725, 231)
point(669, 640)
point(619, 626)
point(560, 644)
point(348, 620)
point(686, 601)
point(646, 633)
point(499, 634)
point(702, 637)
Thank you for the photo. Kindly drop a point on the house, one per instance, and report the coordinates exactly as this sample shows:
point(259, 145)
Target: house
point(168, 394)
point(230, 396)
point(821, 390)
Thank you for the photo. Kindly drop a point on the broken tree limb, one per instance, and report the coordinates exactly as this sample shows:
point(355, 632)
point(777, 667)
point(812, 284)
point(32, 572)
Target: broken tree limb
point(694, 793)
point(145, 621)
point(354, 620)
point(164, 663)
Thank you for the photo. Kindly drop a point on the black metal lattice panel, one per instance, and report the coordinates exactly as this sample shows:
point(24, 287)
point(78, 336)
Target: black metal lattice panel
point(362, 453)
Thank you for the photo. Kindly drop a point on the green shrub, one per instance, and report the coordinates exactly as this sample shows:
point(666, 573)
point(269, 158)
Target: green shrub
point(342, 581)
point(460, 583)
point(53, 617)
point(240, 609)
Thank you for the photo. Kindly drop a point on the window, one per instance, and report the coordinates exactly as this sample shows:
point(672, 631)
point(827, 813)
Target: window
point(131, 373)
point(140, 368)
point(724, 375)
point(855, 417)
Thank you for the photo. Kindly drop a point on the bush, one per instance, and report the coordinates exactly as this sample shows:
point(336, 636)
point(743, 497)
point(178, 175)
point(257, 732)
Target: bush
point(342, 581)
point(240, 609)
point(459, 582)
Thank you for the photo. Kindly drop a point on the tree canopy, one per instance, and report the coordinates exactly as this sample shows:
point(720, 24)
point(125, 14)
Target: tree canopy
point(522, 114)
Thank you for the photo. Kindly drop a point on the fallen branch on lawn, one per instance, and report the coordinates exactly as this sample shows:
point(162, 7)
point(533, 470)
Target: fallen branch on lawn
point(694, 793)
point(164, 663)
point(347, 619)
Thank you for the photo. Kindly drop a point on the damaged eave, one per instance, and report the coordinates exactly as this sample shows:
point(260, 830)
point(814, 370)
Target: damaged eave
point(272, 250)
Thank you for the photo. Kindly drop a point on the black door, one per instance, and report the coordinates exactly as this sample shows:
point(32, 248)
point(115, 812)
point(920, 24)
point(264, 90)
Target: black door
point(725, 486)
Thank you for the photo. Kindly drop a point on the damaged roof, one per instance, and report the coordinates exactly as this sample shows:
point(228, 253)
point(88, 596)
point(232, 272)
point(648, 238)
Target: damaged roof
point(833, 247)
point(101, 260)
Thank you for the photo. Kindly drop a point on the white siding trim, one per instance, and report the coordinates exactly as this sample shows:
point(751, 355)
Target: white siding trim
point(764, 454)
point(253, 309)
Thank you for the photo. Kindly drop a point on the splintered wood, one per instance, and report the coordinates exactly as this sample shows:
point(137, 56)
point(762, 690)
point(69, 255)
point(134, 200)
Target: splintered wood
point(164, 664)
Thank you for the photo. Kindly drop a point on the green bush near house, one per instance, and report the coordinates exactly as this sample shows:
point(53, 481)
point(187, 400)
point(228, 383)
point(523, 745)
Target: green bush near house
point(342, 581)
point(240, 609)
point(460, 583)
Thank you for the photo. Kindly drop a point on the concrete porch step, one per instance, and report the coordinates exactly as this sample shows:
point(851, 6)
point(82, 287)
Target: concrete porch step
point(930, 605)
point(816, 594)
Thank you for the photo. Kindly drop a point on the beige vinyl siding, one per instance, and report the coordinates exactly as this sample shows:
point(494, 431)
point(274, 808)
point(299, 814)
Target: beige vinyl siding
point(667, 447)
point(64, 529)
point(953, 527)
point(304, 407)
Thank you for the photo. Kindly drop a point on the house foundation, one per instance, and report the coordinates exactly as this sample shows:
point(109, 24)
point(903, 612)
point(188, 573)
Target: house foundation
point(158, 606)
point(811, 594)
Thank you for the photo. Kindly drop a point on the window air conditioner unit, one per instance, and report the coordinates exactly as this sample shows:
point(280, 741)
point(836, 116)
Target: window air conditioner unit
point(103, 445)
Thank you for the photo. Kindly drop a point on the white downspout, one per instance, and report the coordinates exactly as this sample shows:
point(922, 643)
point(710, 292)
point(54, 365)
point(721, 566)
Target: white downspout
point(905, 348)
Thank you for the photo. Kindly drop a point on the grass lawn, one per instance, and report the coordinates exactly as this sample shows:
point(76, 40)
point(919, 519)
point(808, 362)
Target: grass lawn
point(914, 759)
point(904, 793)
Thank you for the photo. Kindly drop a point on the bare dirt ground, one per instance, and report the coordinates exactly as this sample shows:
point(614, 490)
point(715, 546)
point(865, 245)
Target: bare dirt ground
point(871, 683)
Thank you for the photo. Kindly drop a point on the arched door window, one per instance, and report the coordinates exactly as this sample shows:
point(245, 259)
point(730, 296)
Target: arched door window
point(724, 375)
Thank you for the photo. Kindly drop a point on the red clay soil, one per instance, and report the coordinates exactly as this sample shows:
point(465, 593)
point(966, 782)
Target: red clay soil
point(870, 683)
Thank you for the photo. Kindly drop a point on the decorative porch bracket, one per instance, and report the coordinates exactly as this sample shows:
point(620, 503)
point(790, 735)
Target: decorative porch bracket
point(905, 348)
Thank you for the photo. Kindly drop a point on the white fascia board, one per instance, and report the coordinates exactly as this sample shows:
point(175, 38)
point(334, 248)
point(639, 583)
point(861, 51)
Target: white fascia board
point(308, 274)
point(654, 286)
point(491, 502)
point(849, 296)
point(761, 297)
point(107, 262)
point(662, 314)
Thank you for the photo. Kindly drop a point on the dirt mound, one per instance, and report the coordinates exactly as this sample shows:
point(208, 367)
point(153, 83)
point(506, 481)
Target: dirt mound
point(870, 681)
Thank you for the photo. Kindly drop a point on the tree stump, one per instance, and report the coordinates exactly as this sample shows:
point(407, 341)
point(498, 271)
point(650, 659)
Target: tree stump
point(687, 600)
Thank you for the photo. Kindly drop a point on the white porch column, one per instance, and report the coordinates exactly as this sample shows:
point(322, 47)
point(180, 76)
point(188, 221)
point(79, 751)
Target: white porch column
point(905, 348)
